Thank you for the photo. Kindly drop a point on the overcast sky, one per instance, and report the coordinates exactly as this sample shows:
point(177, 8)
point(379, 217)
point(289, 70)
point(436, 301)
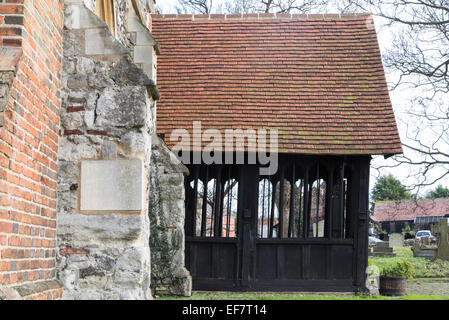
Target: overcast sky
point(399, 98)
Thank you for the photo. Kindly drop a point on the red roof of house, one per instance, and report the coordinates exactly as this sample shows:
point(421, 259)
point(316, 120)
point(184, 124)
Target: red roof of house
point(317, 79)
point(410, 209)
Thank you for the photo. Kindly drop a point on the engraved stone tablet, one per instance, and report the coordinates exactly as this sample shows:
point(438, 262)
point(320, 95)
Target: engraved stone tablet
point(111, 185)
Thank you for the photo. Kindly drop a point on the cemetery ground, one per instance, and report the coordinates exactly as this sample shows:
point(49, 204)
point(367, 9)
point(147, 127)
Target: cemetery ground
point(430, 282)
point(423, 267)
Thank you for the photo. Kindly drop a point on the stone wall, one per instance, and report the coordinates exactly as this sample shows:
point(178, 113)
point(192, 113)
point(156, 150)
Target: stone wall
point(107, 115)
point(76, 153)
point(122, 9)
point(166, 210)
point(30, 65)
point(6, 79)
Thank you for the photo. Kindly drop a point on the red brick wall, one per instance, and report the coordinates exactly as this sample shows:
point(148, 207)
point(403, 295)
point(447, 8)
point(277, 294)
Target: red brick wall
point(29, 144)
point(11, 20)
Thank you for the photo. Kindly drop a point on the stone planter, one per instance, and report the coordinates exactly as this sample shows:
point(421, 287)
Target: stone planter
point(392, 286)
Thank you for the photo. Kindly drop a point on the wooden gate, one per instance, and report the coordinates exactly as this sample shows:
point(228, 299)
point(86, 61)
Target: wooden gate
point(303, 229)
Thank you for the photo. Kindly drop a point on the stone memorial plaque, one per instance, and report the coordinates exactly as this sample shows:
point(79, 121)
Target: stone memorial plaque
point(396, 240)
point(111, 185)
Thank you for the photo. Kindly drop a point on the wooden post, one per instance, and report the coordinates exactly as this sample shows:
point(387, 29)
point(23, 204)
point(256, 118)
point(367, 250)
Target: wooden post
point(360, 199)
point(291, 217)
point(219, 204)
point(306, 205)
point(204, 209)
point(195, 201)
point(273, 204)
point(281, 204)
point(249, 205)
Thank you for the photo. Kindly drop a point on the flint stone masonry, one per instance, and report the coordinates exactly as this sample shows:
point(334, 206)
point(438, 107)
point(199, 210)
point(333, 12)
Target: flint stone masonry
point(77, 230)
point(104, 159)
point(6, 79)
point(114, 185)
point(113, 108)
point(118, 271)
point(166, 211)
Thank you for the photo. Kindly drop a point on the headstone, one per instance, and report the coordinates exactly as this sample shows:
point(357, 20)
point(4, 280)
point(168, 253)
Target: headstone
point(111, 185)
point(441, 230)
point(396, 240)
point(425, 241)
point(423, 252)
point(382, 249)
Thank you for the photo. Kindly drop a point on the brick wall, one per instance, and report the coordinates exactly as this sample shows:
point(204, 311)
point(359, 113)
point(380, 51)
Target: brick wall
point(11, 22)
point(29, 147)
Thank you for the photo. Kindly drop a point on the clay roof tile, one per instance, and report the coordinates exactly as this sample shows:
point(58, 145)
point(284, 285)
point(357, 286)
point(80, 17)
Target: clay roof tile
point(317, 79)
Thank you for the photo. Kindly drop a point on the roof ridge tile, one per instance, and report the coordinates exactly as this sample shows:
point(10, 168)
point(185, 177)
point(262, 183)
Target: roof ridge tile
point(262, 16)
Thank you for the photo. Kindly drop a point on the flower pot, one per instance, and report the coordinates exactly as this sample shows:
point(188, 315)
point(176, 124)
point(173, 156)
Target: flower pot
point(392, 286)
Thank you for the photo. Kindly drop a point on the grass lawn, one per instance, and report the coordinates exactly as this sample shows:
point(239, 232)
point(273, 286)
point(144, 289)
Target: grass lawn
point(424, 268)
point(295, 296)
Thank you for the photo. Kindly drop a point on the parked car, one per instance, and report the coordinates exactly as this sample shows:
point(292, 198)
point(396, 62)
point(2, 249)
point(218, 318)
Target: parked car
point(374, 240)
point(424, 233)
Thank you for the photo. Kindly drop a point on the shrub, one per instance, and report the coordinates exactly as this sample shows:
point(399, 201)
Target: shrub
point(401, 269)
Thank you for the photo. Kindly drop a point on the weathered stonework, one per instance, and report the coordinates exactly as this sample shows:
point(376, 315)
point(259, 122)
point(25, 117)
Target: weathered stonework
point(101, 107)
point(107, 114)
point(31, 291)
point(142, 9)
point(6, 79)
point(166, 210)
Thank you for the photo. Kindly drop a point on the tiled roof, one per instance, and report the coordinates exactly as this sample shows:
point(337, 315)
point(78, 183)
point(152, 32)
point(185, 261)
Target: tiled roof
point(409, 209)
point(317, 79)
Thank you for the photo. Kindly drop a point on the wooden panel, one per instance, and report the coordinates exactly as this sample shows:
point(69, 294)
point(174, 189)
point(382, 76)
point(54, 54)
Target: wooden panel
point(293, 262)
point(317, 263)
point(212, 259)
point(209, 284)
point(224, 261)
point(203, 264)
point(266, 257)
point(341, 262)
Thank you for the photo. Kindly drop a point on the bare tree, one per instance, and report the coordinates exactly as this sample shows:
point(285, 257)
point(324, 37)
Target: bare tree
point(278, 6)
point(195, 6)
point(418, 60)
point(250, 6)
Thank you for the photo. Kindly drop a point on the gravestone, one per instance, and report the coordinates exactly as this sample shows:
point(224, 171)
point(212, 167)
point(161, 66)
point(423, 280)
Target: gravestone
point(423, 251)
point(382, 249)
point(396, 240)
point(441, 230)
point(425, 241)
